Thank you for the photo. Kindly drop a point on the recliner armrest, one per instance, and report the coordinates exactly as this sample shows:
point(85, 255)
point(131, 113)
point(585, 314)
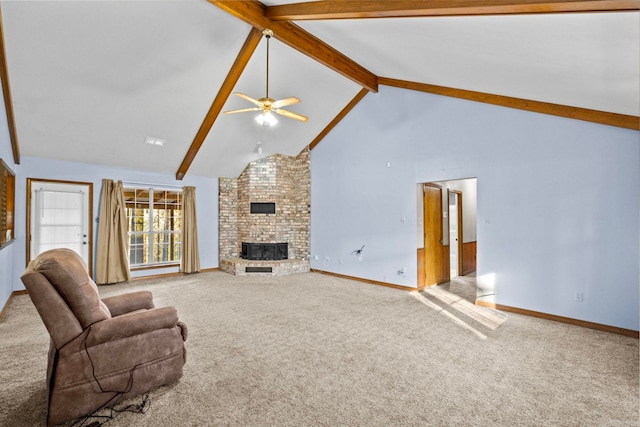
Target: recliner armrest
point(126, 303)
point(132, 324)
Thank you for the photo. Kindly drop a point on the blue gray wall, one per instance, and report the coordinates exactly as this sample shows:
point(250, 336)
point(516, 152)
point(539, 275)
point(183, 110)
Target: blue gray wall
point(557, 200)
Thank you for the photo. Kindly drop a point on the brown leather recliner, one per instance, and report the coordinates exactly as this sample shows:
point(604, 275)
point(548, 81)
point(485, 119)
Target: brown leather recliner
point(101, 351)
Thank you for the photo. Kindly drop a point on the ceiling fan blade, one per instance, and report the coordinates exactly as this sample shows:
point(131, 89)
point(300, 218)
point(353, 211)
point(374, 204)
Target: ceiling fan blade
point(248, 98)
point(291, 115)
point(244, 110)
point(284, 102)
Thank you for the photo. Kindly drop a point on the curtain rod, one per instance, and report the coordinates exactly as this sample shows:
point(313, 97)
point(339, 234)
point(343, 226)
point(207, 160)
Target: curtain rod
point(150, 185)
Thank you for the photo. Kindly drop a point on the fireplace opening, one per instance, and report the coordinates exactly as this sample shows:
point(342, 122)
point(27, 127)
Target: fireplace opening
point(265, 251)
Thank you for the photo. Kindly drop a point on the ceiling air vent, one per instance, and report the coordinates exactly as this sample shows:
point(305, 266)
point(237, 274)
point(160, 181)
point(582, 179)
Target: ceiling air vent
point(154, 141)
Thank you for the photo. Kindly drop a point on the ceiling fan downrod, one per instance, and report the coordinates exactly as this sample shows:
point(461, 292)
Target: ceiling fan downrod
point(267, 33)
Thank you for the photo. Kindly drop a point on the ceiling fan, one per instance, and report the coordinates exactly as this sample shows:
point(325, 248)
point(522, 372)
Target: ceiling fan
point(269, 105)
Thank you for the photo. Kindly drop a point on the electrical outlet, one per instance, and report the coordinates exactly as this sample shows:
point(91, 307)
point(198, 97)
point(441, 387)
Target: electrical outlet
point(579, 296)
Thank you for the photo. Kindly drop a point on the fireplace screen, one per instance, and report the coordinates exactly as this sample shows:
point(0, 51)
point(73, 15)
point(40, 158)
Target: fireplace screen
point(265, 251)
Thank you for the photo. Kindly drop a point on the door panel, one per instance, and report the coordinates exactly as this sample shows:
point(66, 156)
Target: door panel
point(433, 248)
point(59, 216)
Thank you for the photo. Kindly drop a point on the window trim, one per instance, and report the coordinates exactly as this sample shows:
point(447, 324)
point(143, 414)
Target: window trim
point(151, 233)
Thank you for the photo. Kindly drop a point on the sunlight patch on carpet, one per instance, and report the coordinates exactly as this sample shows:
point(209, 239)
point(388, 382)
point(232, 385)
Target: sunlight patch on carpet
point(490, 318)
point(448, 315)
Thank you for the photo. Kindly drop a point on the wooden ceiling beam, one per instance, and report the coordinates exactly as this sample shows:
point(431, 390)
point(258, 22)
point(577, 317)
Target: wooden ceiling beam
point(8, 101)
point(229, 83)
point(253, 13)
point(356, 9)
point(341, 115)
point(577, 113)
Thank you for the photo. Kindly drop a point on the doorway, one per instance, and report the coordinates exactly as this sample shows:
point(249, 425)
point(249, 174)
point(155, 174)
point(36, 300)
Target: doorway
point(59, 216)
point(447, 230)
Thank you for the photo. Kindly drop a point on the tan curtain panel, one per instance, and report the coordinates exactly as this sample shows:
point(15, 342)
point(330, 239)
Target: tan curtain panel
point(112, 264)
point(190, 254)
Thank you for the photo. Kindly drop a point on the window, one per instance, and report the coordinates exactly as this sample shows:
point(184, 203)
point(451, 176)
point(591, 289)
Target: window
point(155, 221)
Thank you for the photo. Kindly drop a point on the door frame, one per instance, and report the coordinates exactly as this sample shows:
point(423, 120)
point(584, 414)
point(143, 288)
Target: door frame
point(459, 214)
point(89, 185)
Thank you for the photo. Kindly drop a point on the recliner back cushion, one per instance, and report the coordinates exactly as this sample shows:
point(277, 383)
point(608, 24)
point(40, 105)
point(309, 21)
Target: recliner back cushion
point(67, 272)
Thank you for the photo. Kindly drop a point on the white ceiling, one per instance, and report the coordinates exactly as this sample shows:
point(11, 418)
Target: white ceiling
point(91, 79)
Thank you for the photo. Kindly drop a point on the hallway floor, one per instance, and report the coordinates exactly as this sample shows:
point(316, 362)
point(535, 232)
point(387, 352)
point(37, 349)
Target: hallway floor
point(463, 286)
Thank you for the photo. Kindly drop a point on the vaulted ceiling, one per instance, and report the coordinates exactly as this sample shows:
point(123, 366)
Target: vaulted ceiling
point(90, 80)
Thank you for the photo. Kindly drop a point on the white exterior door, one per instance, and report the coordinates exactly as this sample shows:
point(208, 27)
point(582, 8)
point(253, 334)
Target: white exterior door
point(60, 217)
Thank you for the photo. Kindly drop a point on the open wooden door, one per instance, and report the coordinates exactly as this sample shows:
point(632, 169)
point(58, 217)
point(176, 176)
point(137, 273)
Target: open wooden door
point(433, 248)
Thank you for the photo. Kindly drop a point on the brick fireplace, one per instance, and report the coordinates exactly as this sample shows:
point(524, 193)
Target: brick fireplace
point(269, 203)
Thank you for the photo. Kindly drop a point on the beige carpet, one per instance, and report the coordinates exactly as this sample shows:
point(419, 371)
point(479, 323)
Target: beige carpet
point(314, 350)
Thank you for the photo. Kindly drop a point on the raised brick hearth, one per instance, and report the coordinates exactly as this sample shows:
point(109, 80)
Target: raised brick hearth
point(246, 267)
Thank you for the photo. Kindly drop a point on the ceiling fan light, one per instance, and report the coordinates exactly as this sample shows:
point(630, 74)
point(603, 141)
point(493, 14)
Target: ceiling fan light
point(266, 119)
